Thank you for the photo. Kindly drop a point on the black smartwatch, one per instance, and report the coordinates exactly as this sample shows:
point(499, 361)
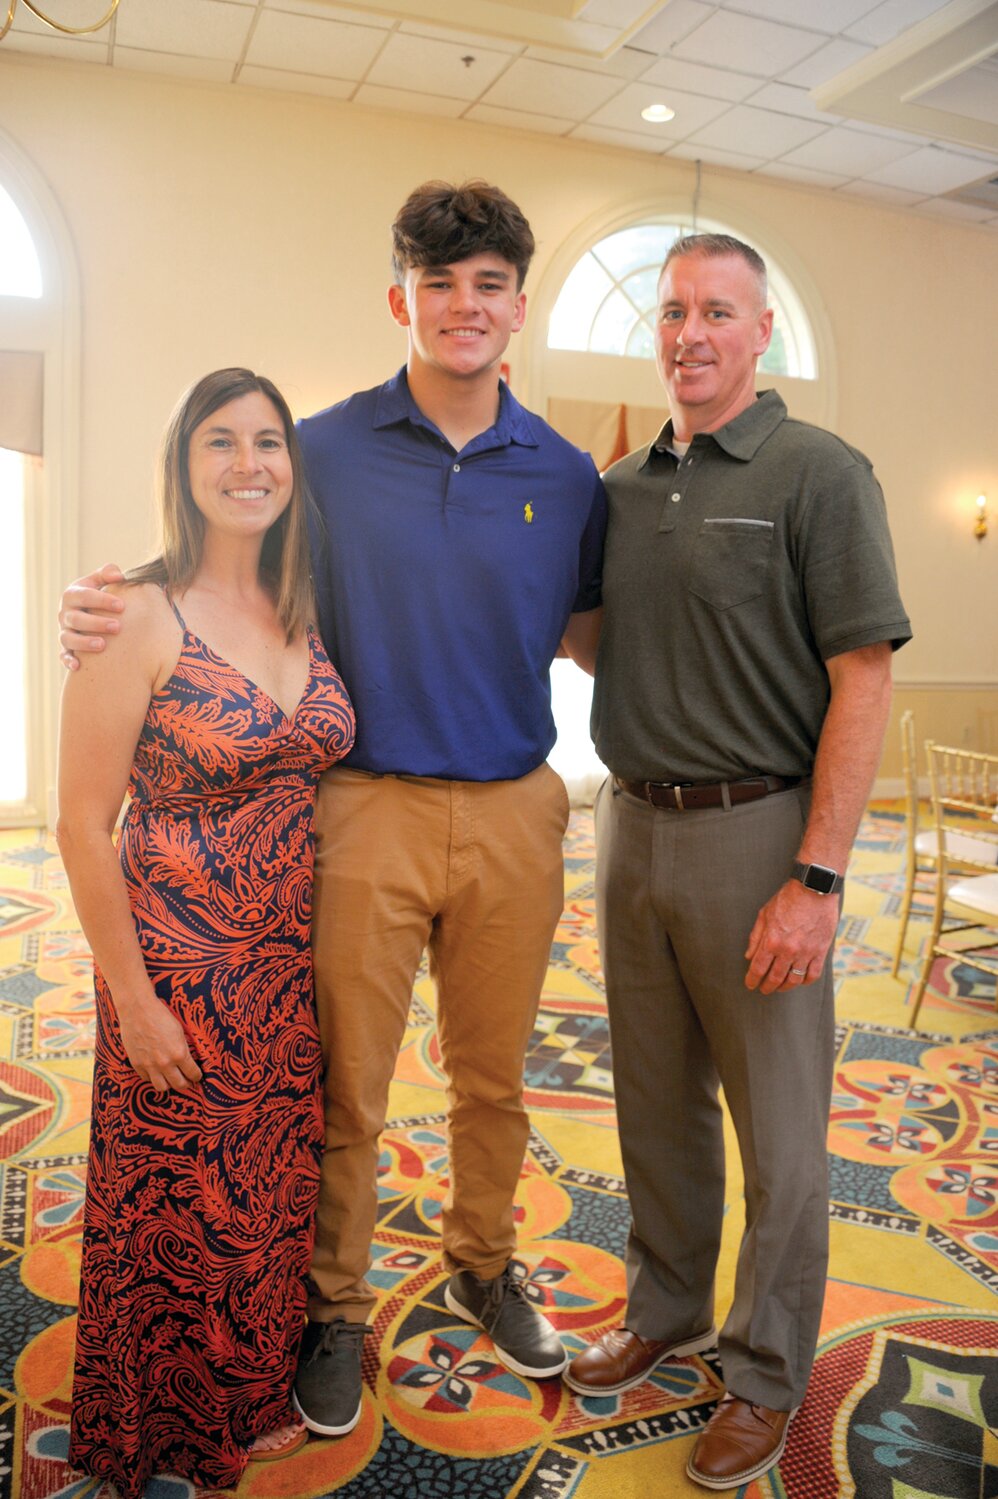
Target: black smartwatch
point(818, 877)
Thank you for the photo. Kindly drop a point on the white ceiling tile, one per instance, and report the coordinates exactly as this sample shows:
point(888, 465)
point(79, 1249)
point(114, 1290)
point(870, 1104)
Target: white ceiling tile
point(788, 173)
point(833, 57)
point(376, 97)
point(885, 22)
point(830, 16)
point(295, 83)
point(518, 119)
point(468, 40)
point(736, 160)
point(330, 12)
point(791, 101)
point(207, 28)
point(427, 66)
point(948, 208)
point(543, 88)
point(627, 140)
point(624, 112)
point(69, 48)
point(928, 170)
point(848, 153)
point(761, 132)
point(677, 20)
point(890, 134)
point(626, 62)
point(212, 69)
point(728, 40)
point(715, 83)
point(306, 44)
point(881, 193)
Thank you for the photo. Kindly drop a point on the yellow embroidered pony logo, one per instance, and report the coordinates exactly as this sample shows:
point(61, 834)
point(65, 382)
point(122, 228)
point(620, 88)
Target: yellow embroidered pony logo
point(528, 513)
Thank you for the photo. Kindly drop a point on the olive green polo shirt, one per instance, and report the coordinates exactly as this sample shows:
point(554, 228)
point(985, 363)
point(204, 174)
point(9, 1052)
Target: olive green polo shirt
point(729, 578)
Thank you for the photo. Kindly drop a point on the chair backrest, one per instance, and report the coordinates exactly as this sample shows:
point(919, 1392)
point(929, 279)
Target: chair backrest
point(964, 785)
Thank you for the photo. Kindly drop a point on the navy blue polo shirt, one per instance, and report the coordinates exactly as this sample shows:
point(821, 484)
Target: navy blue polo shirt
point(445, 579)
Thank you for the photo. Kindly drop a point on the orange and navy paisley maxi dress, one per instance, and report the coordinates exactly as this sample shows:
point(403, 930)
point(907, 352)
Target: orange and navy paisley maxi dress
point(199, 1208)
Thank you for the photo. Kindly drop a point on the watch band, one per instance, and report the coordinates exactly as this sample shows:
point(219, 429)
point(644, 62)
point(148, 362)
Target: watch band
point(818, 877)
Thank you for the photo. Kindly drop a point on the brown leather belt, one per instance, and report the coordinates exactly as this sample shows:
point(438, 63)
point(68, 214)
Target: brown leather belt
point(685, 797)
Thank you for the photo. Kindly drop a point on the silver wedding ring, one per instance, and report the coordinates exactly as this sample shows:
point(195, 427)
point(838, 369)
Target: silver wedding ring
point(799, 971)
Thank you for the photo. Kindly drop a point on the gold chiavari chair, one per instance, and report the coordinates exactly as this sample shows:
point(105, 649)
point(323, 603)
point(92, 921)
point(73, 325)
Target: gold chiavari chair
point(921, 843)
point(964, 791)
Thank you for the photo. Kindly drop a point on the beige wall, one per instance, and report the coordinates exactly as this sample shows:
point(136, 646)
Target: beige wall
point(230, 225)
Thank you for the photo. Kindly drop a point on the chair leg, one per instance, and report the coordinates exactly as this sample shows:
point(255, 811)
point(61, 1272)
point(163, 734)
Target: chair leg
point(930, 950)
point(923, 981)
point(903, 927)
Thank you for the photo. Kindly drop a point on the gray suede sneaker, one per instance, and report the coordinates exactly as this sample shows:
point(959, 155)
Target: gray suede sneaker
point(524, 1340)
point(328, 1386)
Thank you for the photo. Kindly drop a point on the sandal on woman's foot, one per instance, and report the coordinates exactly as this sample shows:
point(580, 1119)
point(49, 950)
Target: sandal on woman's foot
point(280, 1442)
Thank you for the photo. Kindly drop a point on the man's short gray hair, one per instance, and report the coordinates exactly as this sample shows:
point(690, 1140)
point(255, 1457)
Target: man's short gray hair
point(712, 245)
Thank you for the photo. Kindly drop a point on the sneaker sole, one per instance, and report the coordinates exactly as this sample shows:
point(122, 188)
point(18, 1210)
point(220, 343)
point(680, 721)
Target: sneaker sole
point(698, 1344)
point(737, 1479)
point(326, 1431)
point(548, 1371)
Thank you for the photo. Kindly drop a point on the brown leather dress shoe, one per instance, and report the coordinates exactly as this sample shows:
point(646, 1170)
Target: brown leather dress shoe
point(620, 1359)
point(740, 1442)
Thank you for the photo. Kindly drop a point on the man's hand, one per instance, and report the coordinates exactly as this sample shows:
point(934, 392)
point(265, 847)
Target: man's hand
point(86, 615)
point(790, 939)
point(156, 1045)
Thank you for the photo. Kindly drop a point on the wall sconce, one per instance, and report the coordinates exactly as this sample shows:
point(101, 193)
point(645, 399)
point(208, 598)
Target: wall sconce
point(981, 522)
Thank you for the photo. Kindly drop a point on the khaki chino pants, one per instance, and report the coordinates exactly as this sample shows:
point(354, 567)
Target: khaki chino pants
point(677, 894)
point(473, 872)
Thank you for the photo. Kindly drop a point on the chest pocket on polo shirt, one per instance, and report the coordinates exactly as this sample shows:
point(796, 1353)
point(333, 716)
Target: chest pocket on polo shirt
point(730, 559)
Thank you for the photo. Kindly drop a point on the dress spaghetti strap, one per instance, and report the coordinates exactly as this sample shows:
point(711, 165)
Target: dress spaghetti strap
point(181, 621)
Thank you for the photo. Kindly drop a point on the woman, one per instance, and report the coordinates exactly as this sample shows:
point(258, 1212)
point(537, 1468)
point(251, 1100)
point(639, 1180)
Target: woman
point(217, 710)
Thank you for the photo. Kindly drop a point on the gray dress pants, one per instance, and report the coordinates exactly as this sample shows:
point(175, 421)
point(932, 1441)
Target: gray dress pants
point(677, 894)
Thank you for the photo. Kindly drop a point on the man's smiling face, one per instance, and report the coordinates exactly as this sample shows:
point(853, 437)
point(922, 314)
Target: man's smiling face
point(712, 327)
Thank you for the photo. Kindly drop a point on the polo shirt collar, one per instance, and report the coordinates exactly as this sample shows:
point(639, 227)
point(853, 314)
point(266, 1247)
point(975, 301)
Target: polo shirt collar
point(514, 423)
point(743, 436)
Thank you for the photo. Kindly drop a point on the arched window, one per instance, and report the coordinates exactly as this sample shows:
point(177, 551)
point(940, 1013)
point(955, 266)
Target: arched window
point(20, 276)
point(39, 393)
point(607, 302)
point(20, 269)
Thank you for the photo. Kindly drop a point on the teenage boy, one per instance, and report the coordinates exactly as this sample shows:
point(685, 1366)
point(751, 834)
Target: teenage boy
point(463, 541)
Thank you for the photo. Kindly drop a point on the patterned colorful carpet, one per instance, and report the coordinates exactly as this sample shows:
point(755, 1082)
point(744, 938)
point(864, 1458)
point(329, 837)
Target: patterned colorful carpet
point(904, 1400)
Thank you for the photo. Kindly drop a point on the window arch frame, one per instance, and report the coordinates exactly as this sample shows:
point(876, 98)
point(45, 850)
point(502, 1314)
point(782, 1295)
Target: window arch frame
point(51, 324)
point(792, 321)
point(711, 210)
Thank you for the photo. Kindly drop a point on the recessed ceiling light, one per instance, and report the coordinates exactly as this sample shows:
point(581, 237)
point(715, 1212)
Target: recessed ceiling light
point(658, 113)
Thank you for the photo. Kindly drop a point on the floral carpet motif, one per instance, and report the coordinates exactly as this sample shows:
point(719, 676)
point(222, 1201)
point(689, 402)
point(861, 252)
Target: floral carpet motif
point(904, 1399)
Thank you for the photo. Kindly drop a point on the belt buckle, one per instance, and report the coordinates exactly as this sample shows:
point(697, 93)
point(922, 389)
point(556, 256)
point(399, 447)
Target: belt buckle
point(672, 786)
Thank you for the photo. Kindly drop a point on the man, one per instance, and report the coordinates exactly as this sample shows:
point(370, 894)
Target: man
point(742, 690)
point(462, 533)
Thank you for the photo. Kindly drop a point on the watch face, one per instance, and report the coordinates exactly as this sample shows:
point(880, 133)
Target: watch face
point(821, 879)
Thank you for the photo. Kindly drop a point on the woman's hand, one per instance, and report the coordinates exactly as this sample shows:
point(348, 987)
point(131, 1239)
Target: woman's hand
point(156, 1045)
